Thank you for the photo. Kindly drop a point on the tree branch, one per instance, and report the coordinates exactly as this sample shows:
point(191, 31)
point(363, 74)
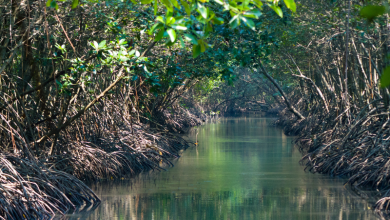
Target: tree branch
point(289, 106)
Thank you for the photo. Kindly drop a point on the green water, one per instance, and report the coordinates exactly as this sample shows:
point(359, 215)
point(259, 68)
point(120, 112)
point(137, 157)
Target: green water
point(243, 168)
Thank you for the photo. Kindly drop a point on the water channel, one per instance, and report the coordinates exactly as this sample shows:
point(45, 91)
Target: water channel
point(242, 168)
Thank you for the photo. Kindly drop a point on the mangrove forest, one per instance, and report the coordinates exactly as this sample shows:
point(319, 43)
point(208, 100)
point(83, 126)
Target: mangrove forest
point(95, 91)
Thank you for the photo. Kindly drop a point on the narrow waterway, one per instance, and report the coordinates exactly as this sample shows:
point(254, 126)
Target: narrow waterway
point(242, 168)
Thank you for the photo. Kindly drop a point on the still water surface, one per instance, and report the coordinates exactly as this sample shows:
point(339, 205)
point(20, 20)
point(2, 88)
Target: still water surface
point(243, 168)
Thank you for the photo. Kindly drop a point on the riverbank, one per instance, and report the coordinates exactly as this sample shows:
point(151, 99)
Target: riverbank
point(353, 145)
point(39, 188)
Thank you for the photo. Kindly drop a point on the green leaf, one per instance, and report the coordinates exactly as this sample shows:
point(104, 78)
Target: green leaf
point(385, 78)
point(210, 14)
point(102, 44)
point(186, 7)
point(48, 3)
point(202, 10)
point(217, 20)
point(96, 45)
point(146, 1)
point(181, 42)
point(170, 20)
point(75, 3)
point(245, 3)
point(154, 27)
point(160, 35)
point(169, 43)
point(249, 22)
point(372, 11)
point(175, 3)
point(254, 13)
point(172, 34)
point(235, 21)
point(168, 5)
point(291, 5)
point(258, 3)
point(155, 7)
point(122, 42)
point(209, 27)
point(202, 45)
point(191, 38)
point(169, 14)
point(179, 27)
point(54, 4)
point(277, 9)
point(195, 51)
point(160, 19)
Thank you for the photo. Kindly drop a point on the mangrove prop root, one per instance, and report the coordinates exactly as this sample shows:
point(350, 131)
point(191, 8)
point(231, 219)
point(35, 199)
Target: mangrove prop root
point(357, 150)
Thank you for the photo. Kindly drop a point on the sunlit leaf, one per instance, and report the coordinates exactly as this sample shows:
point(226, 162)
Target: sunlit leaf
point(75, 3)
point(179, 27)
point(254, 13)
point(291, 5)
point(235, 21)
point(122, 42)
point(155, 7)
point(277, 9)
point(202, 10)
point(96, 45)
point(160, 19)
point(172, 34)
point(48, 3)
point(102, 44)
point(146, 1)
point(175, 3)
point(258, 3)
point(170, 20)
point(191, 38)
point(248, 22)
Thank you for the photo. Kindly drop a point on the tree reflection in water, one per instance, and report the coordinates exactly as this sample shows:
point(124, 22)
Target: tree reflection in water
point(242, 168)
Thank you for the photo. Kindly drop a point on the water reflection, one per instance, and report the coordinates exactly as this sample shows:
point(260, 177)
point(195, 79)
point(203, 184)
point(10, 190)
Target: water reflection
point(242, 169)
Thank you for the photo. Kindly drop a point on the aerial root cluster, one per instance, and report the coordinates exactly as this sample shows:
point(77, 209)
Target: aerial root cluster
point(357, 148)
point(29, 190)
point(109, 143)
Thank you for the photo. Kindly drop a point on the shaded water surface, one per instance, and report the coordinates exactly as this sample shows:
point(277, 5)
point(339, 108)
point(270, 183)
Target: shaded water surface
point(243, 168)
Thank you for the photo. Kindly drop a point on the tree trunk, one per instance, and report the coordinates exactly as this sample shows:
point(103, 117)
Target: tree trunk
point(289, 106)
